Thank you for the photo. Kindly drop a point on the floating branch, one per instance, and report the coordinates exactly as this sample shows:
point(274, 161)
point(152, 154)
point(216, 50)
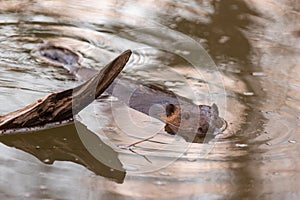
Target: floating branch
point(61, 106)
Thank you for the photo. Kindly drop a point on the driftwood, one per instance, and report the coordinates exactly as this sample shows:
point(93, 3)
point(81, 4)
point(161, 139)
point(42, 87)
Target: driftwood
point(61, 106)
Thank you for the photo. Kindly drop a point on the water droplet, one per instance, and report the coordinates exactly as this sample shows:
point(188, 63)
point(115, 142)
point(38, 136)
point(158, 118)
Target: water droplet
point(173, 83)
point(47, 161)
point(192, 159)
point(298, 117)
point(258, 74)
point(64, 139)
point(232, 62)
point(165, 173)
point(241, 145)
point(111, 169)
point(248, 93)
point(110, 128)
point(186, 53)
point(43, 187)
point(160, 183)
point(37, 147)
point(268, 143)
point(292, 141)
point(224, 39)
point(182, 52)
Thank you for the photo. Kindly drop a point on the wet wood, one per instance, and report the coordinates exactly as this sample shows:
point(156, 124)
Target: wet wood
point(64, 105)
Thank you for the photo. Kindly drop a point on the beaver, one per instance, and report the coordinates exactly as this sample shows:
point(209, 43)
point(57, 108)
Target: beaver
point(183, 117)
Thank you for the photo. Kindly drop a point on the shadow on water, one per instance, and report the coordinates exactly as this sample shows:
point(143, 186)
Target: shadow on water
point(64, 144)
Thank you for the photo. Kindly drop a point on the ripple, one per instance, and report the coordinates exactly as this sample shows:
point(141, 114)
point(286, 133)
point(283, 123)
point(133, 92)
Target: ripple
point(263, 145)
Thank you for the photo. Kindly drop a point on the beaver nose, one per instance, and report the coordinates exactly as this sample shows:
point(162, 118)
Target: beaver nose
point(200, 130)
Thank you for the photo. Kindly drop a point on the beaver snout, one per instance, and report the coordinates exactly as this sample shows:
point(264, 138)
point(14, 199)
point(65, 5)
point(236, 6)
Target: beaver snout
point(193, 122)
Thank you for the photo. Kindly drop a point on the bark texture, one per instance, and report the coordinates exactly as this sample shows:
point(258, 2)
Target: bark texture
point(64, 105)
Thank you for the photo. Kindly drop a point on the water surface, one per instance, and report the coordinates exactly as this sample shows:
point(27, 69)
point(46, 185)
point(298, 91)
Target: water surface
point(249, 66)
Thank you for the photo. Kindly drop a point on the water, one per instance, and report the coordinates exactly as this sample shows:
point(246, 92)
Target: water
point(255, 83)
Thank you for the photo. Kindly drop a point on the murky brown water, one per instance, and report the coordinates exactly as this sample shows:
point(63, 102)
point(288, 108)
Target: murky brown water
point(255, 82)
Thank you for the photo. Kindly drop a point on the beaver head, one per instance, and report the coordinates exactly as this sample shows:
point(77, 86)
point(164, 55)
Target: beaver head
point(193, 122)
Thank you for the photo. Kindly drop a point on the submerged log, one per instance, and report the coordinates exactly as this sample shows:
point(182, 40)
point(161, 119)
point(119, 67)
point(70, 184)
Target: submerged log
point(61, 106)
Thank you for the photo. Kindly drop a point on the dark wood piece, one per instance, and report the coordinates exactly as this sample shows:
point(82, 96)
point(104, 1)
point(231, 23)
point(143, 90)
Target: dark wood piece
point(64, 105)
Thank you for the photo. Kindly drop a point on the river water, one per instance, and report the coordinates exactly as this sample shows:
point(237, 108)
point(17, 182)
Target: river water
point(242, 55)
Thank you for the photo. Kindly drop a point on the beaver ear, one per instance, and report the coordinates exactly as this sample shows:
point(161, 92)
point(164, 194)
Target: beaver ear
point(215, 110)
point(170, 109)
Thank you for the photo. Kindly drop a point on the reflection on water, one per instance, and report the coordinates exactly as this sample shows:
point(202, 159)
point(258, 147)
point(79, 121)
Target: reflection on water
point(223, 34)
point(64, 144)
point(256, 47)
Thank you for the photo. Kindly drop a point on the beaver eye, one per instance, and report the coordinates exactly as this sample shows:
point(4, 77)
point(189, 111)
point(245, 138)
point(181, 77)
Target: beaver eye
point(186, 115)
point(170, 109)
